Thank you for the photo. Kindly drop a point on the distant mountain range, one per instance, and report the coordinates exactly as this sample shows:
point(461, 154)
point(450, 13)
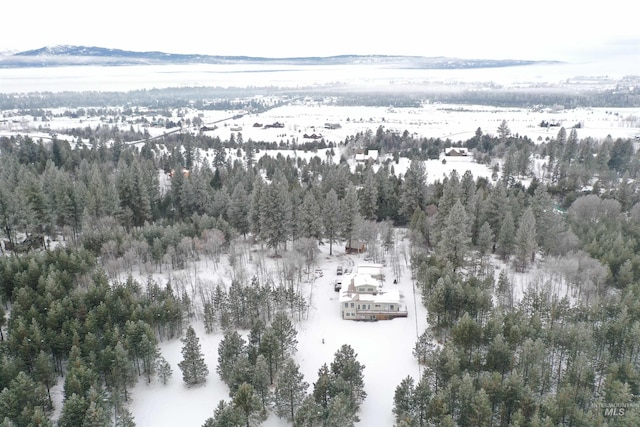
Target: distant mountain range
point(66, 55)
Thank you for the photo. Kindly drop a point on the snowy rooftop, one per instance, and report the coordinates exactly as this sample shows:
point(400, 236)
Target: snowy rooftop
point(369, 269)
point(360, 279)
point(385, 297)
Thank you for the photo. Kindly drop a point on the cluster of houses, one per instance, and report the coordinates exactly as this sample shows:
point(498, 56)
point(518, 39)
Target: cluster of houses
point(362, 296)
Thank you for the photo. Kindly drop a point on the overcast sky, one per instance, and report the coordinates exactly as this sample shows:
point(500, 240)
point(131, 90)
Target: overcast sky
point(545, 29)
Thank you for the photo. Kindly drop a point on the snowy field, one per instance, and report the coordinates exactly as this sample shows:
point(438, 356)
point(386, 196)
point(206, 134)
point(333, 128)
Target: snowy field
point(384, 347)
point(309, 115)
point(446, 121)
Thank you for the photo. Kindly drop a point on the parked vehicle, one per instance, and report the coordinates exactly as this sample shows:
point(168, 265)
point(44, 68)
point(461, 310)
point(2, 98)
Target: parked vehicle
point(337, 286)
point(339, 270)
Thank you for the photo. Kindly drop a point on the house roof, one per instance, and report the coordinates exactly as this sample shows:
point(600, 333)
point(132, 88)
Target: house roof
point(360, 279)
point(369, 269)
point(388, 297)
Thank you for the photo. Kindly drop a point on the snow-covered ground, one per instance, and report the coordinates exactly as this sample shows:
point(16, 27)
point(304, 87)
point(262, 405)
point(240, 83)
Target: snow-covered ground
point(384, 347)
point(445, 121)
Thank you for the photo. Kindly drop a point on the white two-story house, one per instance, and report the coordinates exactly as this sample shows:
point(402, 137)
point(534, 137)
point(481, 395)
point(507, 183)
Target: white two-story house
point(362, 298)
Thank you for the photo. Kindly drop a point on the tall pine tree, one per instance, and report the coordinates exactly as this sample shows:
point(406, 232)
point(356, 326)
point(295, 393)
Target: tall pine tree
point(194, 369)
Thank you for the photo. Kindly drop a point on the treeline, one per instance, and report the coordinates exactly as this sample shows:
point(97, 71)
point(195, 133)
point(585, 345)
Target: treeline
point(113, 199)
point(219, 98)
point(542, 362)
point(68, 320)
point(206, 97)
point(619, 97)
point(555, 349)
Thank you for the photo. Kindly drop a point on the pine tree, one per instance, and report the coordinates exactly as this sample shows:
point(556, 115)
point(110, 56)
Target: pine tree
point(485, 239)
point(548, 223)
point(255, 206)
point(125, 419)
point(346, 368)
point(194, 369)
point(466, 394)
point(36, 203)
point(163, 368)
point(504, 290)
point(413, 191)
point(424, 346)
point(96, 415)
point(242, 372)
point(310, 218)
point(322, 390)
point(231, 347)
point(246, 403)
point(19, 400)
point(422, 400)
point(495, 208)
point(225, 415)
point(349, 214)
point(261, 381)
point(44, 373)
point(403, 402)
point(455, 238)
point(340, 412)
point(270, 348)
point(309, 413)
point(503, 131)
point(121, 373)
point(331, 218)
point(73, 411)
point(149, 353)
point(506, 237)
point(239, 209)
point(285, 334)
point(290, 390)
point(499, 356)
point(39, 419)
point(275, 213)
point(451, 193)
point(526, 239)
point(368, 196)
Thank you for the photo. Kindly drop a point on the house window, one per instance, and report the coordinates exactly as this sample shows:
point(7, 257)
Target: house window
point(368, 306)
point(358, 306)
point(391, 307)
point(377, 305)
point(352, 305)
point(346, 305)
